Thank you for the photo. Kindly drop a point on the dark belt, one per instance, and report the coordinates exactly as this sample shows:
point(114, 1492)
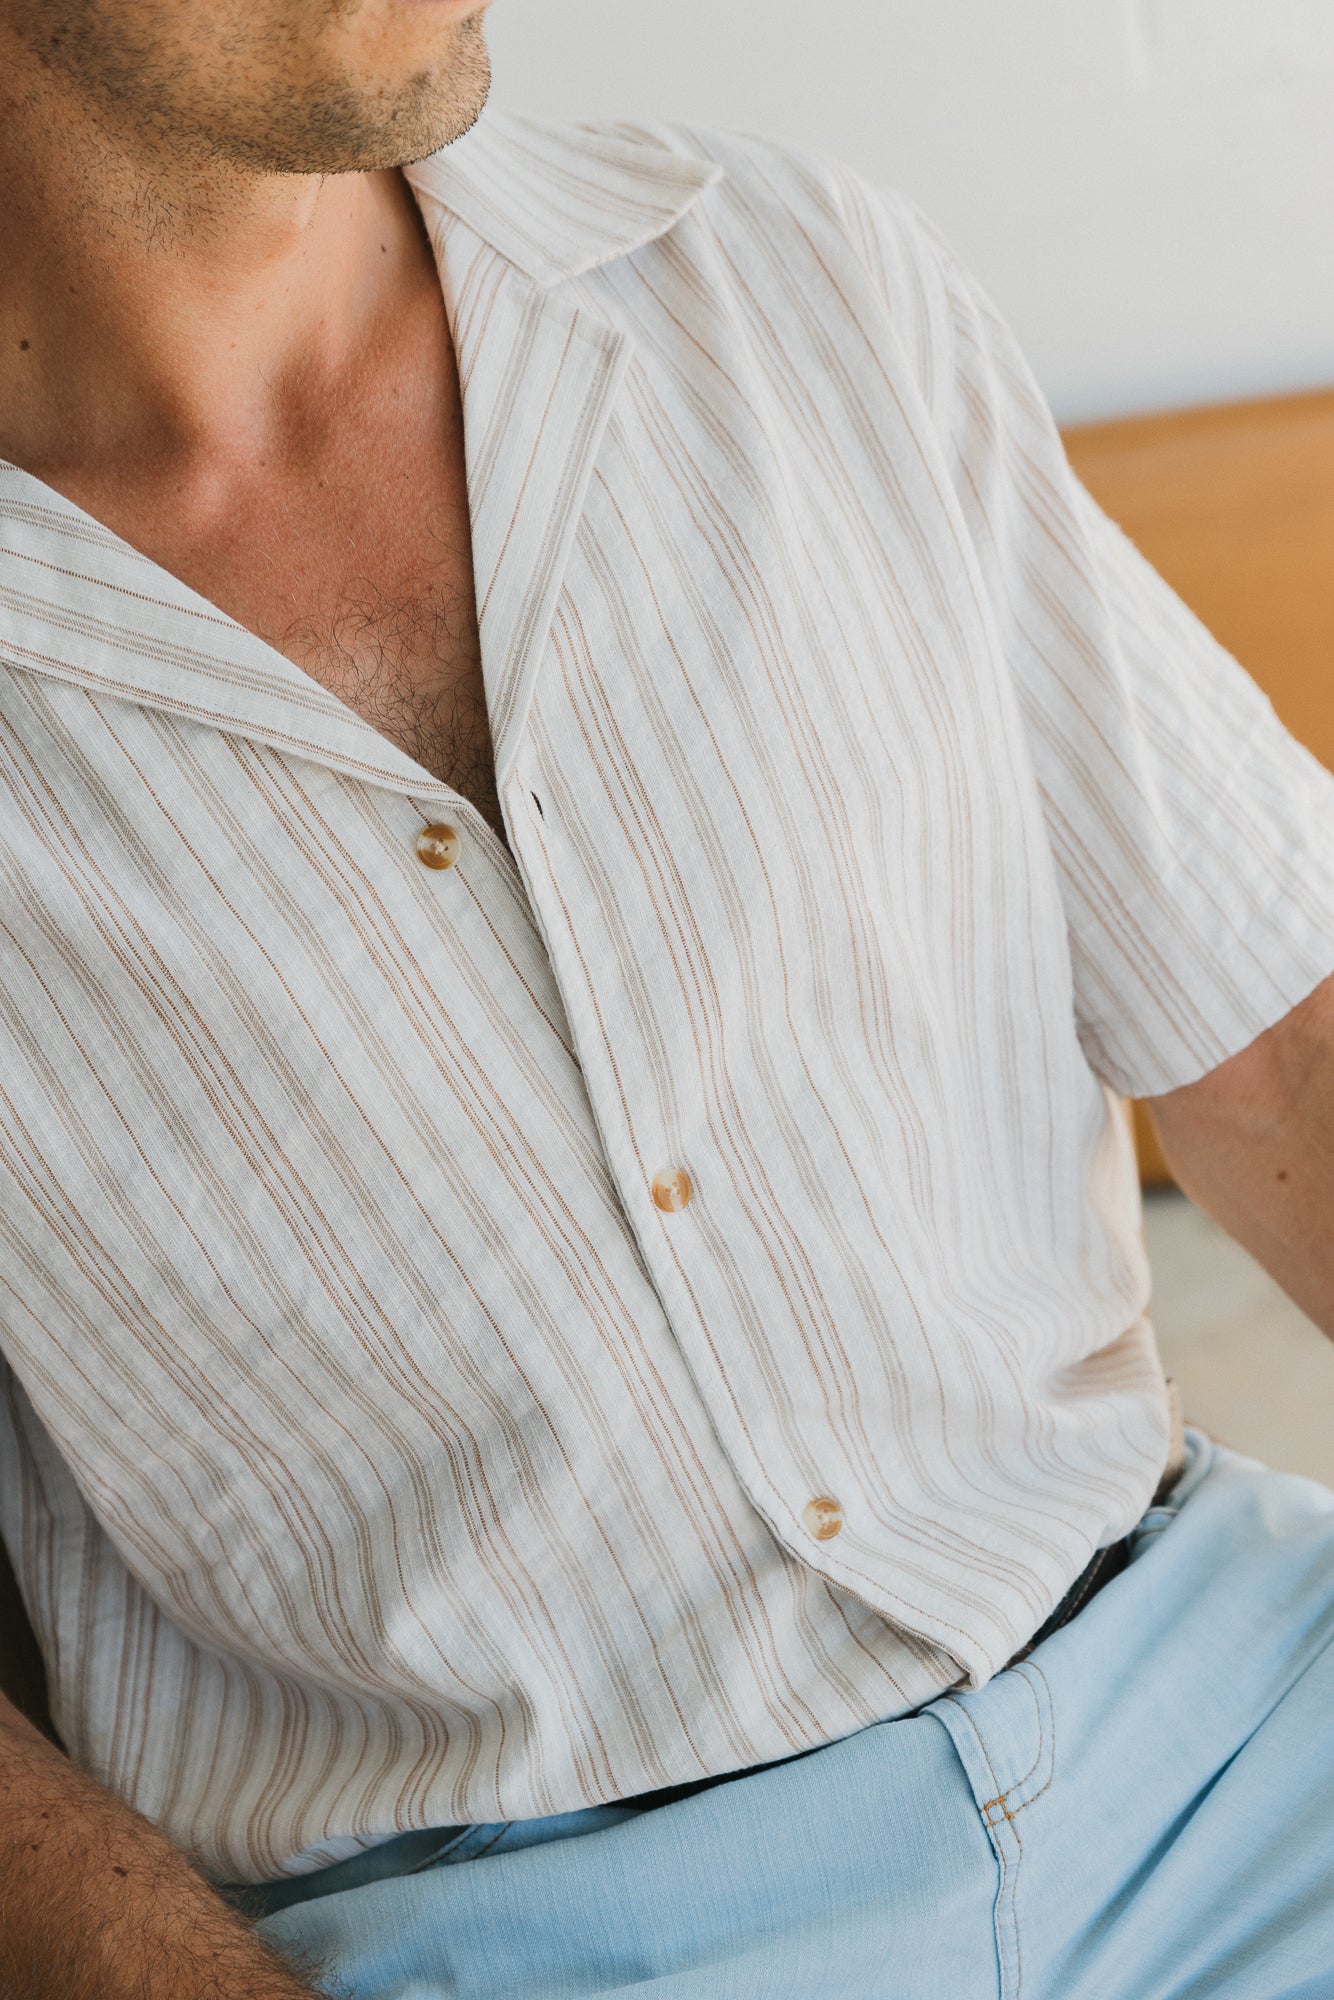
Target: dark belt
point(1106, 1564)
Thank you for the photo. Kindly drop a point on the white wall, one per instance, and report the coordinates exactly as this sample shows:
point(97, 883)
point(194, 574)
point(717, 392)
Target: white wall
point(1146, 187)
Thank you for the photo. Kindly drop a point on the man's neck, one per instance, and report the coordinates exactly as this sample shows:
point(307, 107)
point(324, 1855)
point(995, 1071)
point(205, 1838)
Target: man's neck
point(155, 313)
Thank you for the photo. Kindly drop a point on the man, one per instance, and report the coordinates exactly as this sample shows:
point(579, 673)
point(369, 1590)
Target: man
point(591, 829)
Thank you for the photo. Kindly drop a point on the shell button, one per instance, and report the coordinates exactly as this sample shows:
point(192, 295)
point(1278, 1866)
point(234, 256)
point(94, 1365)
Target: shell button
point(438, 846)
point(823, 1518)
point(672, 1189)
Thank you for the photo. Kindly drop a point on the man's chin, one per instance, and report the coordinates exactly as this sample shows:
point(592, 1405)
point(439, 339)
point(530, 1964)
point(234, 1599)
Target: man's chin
point(444, 132)
point(358, 125)
point(444, 103)
point(437, 111)
point(341, 138)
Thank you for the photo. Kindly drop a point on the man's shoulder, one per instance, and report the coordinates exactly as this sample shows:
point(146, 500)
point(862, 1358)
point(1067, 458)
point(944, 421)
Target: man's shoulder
point(809, 218)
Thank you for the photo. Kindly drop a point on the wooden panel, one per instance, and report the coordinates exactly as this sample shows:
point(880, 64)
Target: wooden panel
point(1235, 507)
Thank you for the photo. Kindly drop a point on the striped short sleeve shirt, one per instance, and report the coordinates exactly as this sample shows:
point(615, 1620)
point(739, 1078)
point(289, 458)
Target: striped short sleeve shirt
point(665, 1292)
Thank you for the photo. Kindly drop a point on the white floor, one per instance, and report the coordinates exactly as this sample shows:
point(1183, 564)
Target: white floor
point(1252, 1369)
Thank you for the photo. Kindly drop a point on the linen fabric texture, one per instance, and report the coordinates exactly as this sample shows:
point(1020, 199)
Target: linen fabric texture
point(376, 1454)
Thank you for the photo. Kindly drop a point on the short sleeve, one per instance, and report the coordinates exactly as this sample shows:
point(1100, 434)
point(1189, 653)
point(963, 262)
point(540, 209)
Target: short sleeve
point(1193, 836)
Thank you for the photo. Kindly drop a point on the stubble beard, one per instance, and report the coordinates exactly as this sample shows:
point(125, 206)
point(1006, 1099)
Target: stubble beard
point(342, 127)
point(181, 115)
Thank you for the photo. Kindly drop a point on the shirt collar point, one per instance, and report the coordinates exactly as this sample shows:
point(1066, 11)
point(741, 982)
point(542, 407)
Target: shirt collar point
point(558, 200)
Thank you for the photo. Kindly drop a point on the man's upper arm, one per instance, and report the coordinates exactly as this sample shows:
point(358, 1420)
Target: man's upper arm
point(1253, 1143)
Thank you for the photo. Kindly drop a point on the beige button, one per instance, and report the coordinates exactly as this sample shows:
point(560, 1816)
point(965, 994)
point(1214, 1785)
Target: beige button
point(672, 1189)
point(823, 1517)
point(438, 846)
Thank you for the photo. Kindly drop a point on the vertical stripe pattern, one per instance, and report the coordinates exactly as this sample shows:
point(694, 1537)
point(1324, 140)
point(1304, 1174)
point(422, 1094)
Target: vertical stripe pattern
point(375, 1452)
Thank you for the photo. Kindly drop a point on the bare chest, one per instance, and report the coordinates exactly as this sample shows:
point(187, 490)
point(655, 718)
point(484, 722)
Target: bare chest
point(400, 646)
point(365, 583)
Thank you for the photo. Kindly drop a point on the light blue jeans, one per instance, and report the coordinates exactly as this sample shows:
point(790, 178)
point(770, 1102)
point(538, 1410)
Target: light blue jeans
point(1141, 1810)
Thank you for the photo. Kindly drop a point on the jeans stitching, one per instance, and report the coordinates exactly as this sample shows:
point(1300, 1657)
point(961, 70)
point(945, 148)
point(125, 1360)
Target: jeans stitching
point(1005, 1916)
point(1011, 1813)
point(1019, 1783)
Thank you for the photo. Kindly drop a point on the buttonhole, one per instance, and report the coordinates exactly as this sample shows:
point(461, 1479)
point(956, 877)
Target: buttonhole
point(538, 803)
